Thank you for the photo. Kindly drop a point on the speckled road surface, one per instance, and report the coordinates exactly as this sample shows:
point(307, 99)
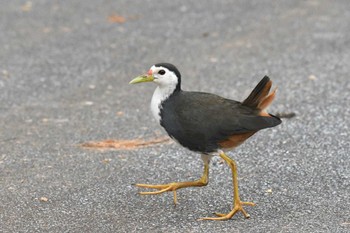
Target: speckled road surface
point(64, 73)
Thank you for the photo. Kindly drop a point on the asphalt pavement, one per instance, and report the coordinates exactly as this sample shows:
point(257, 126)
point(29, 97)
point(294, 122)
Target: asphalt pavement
point(64, 73)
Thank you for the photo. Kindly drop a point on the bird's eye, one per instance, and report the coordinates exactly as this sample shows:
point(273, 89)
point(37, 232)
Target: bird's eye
point(161, 72)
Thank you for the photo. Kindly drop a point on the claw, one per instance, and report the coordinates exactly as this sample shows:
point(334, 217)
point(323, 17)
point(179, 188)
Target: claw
point(237, 207)
point(168, 187)
point(177, 185)
point(162, 189)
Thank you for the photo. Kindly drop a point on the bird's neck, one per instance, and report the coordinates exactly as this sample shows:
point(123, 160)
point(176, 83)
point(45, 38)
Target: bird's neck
point(161, 94)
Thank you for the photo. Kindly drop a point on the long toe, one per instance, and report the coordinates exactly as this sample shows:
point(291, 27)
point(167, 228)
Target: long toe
point(156, 192)
point(221, 217)
point(171, 187)
point(219, 214)
point(248, 203)
point(153, 186)
point(238, 207)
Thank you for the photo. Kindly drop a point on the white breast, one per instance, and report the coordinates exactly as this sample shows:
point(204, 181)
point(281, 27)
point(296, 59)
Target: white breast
point(160, 94)
point(155, 104)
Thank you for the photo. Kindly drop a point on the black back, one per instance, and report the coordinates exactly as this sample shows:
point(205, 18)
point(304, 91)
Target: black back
point(199, 121)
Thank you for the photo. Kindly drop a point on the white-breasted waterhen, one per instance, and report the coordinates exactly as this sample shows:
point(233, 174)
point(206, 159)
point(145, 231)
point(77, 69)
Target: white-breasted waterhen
point(207, 124)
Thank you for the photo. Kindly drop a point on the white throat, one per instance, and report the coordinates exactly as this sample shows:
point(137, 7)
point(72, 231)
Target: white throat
point(161, 93)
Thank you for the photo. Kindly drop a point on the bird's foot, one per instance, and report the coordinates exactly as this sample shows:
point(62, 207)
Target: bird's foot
point(238, 206)
point(169, 187)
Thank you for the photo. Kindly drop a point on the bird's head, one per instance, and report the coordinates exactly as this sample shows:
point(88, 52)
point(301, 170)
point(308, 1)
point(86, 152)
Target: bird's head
point(163, 74)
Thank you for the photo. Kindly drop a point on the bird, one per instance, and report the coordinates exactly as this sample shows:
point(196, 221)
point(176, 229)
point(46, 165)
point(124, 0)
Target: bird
point(207, 124)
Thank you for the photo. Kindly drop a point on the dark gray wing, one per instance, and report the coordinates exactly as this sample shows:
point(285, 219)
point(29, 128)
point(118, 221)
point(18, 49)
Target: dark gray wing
point(200, 120)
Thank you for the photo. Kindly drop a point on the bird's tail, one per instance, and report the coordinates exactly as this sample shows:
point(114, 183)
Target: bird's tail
point(260, 97)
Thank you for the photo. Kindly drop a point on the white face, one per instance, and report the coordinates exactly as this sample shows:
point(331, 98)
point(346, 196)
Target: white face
point(164, 77)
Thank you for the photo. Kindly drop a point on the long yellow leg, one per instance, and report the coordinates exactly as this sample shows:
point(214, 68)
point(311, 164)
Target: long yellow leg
point(237, 203)
point(178, 185)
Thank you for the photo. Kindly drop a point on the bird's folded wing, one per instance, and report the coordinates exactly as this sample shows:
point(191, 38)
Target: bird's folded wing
point(217, 117)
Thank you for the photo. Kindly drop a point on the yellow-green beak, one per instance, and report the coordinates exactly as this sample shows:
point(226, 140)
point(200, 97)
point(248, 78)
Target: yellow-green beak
point(142, 79)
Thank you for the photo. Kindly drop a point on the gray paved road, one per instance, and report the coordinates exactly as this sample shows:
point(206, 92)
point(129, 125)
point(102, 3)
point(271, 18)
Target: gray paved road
point(64, 72)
